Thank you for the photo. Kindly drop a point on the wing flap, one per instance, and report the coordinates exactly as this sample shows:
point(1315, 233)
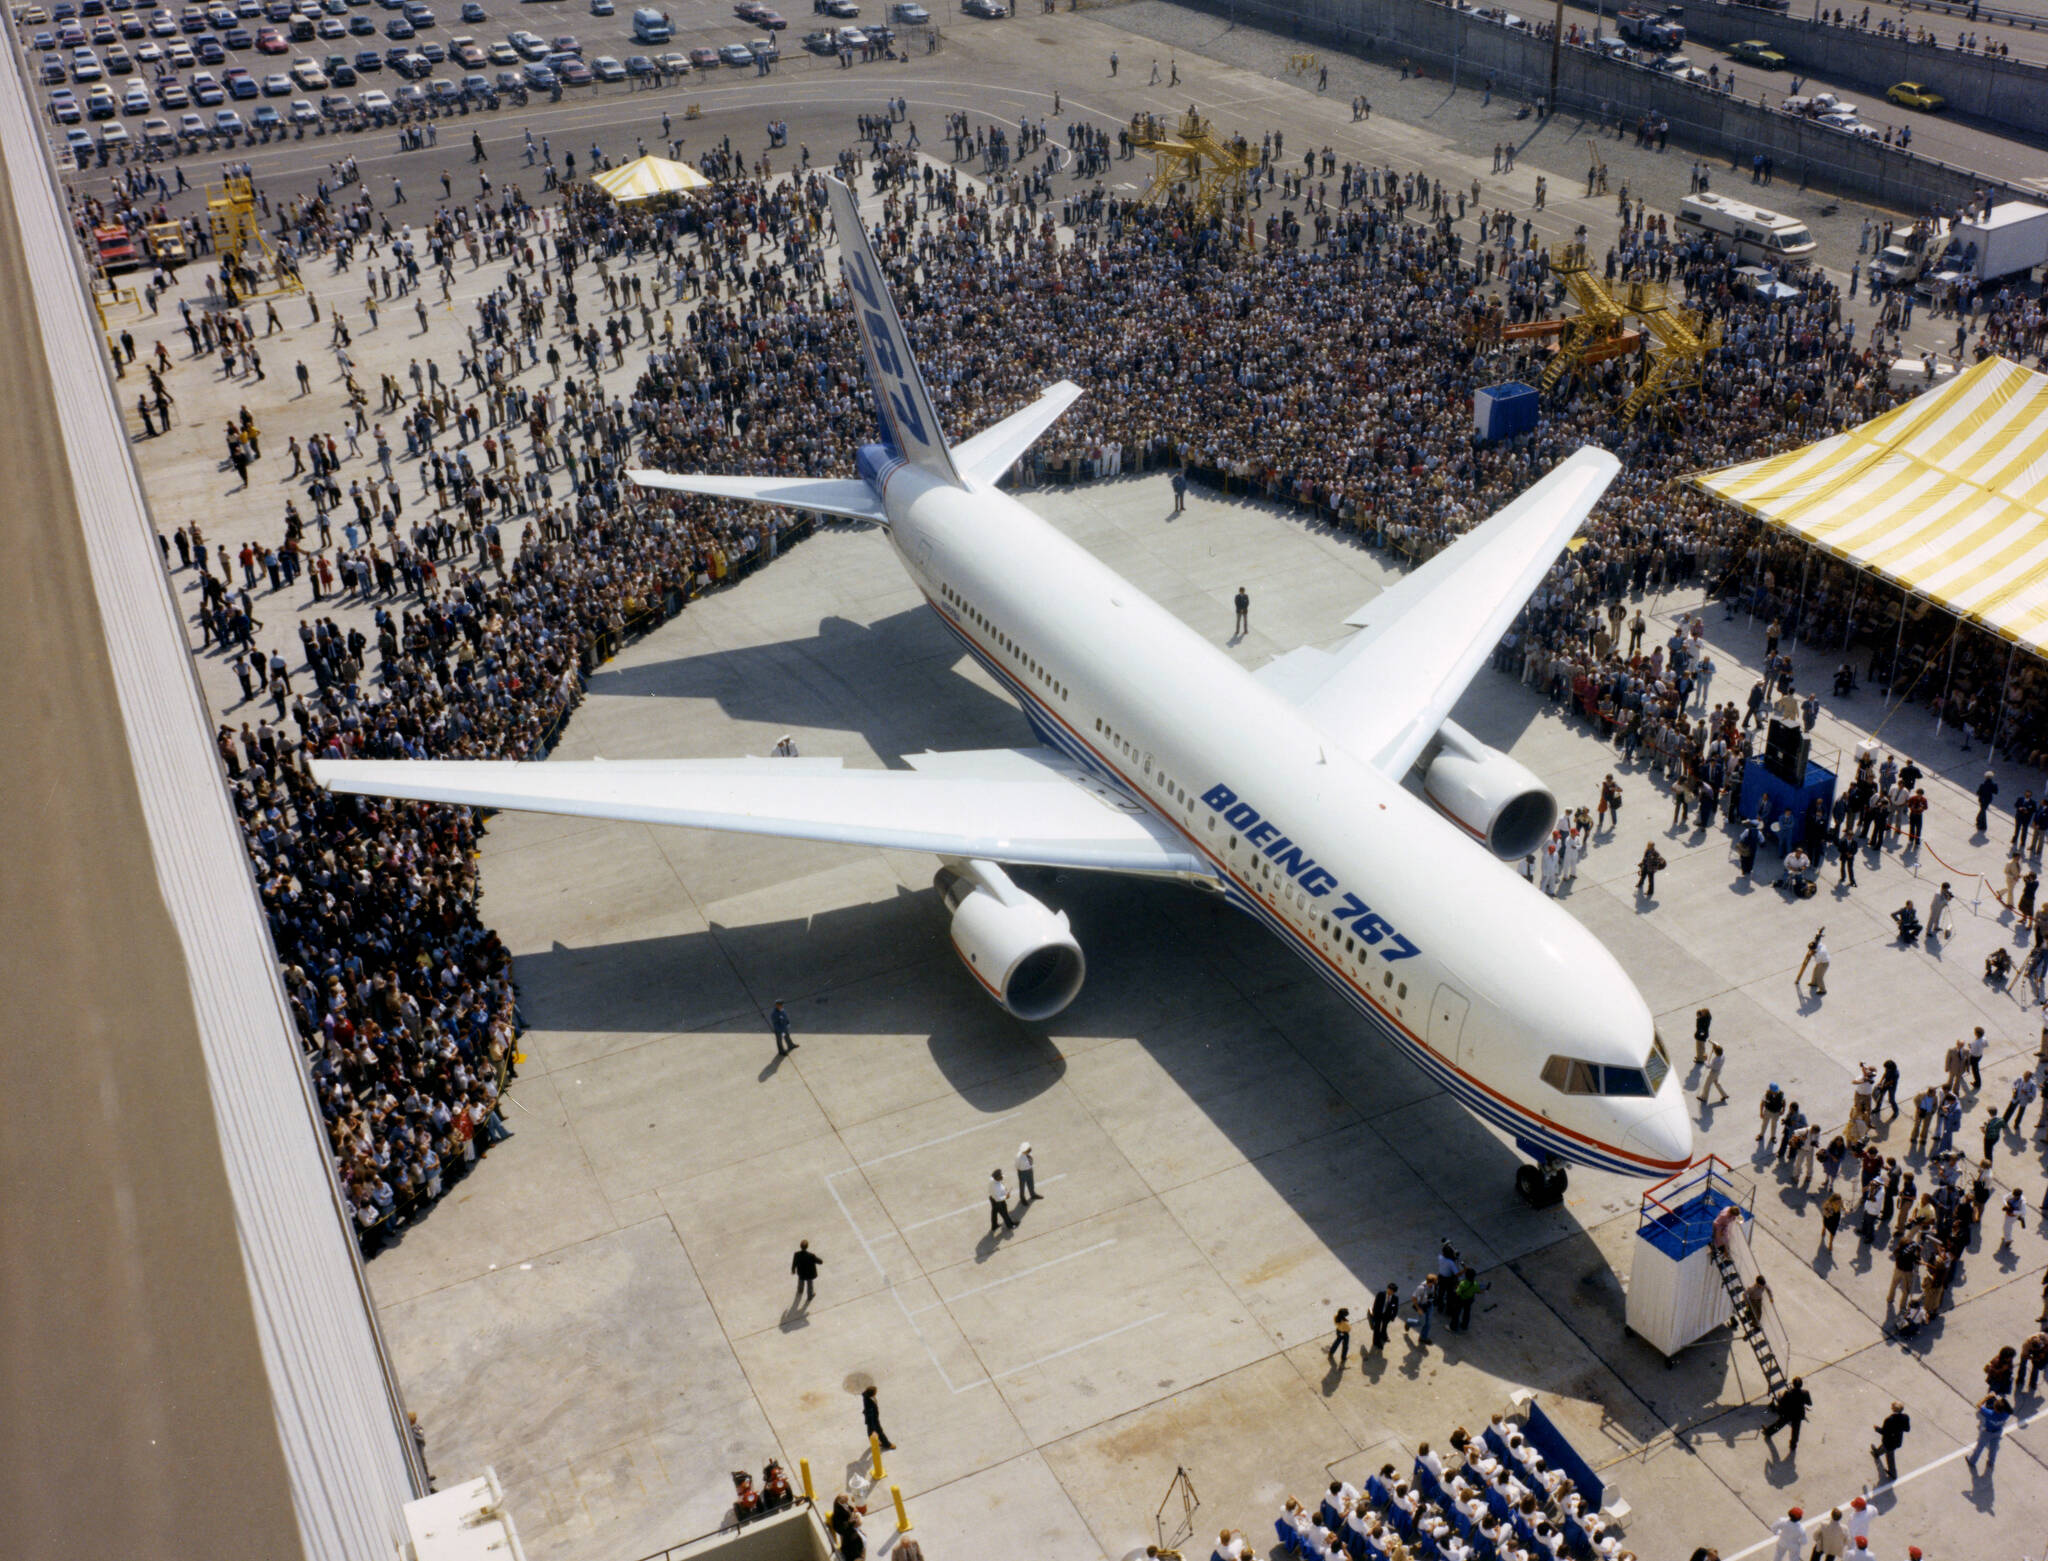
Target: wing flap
point(1388, 689)
point(1039, 816)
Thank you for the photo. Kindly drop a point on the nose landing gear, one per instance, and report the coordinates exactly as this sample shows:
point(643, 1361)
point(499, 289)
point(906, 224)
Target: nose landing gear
point(1542, 1186)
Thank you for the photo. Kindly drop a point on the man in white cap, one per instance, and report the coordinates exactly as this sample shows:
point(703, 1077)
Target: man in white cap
point(1791, 1532)
point(1027, 1186)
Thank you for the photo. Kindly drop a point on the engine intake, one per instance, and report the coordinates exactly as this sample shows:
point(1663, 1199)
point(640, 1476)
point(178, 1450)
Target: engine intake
point(1017, 947)
point(1489, 794)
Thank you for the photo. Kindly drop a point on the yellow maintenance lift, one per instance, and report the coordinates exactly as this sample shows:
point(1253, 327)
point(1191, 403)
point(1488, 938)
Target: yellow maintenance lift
point(233, 215)
point(1599, 331)
point(1214, 172)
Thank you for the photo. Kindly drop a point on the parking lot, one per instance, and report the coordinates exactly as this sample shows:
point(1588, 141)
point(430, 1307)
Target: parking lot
point(118, 76)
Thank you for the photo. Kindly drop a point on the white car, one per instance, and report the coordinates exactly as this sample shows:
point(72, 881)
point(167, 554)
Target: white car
point(136, 99)
point(310, 77)
point(303, 112)
point(375, 102)
point(851, 38)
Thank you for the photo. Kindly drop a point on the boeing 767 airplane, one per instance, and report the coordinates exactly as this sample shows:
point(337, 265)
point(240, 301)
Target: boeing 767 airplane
point(1281, 789)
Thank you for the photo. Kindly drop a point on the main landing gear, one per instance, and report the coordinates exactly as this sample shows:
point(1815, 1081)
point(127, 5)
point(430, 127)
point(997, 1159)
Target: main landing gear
point(1542, 1186)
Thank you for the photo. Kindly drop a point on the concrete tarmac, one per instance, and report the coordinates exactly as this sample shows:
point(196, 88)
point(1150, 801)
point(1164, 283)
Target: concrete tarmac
point(605, 1313)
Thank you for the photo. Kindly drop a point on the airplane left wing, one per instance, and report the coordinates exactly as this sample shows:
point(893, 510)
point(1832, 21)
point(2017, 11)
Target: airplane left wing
point(1384, 693)
point(1016, 807)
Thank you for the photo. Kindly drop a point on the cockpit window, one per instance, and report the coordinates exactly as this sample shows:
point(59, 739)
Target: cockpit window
point(1570, 1076)
point(1658, 1068)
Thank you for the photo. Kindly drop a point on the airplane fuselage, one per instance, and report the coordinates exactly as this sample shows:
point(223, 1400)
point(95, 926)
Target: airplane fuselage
point(1480, 980)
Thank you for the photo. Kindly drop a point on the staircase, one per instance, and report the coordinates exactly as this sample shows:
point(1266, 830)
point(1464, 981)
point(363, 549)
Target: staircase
point(1759, 1340)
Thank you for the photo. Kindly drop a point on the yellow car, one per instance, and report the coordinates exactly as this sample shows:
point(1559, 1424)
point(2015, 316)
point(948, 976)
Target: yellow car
point(1910, 94)
point(1754, 51)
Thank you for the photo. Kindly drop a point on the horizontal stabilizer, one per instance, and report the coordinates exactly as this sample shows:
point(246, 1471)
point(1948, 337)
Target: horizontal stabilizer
point(992, 452)
point(847, 496)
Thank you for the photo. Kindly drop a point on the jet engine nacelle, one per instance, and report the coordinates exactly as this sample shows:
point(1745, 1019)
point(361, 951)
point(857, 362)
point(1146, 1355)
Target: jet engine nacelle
point(1016, 946)
point(1490, 794)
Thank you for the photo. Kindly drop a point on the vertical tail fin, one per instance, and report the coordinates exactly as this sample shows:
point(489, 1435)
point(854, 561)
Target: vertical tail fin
point(908, 417)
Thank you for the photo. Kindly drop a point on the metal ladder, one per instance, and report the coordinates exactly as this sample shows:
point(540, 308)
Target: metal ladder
point(1731, 1281)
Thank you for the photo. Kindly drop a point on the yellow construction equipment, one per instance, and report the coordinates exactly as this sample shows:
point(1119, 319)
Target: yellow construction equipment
point(1599, 318)
point(1599, 331)
point(234, 218)
point(1193, 160)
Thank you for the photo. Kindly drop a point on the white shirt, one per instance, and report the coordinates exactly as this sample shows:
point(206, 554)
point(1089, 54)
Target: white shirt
point(1024, 1164)
point(998, 1192)
point(1859, 1524)
point(1791, 1536)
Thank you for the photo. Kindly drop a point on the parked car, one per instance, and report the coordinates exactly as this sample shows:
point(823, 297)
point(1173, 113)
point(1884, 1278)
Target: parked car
point(362, 27)
point(573, 72)
point(736, 55)
point(1754, 51)
point(704, 59)
point(840, 8)
point(910, 15)
point(605, 68)
point(991, 9)
point(64, 107)
point(377, 104)
point(207, 92)
point(190, 124)
point(398, 27)
point(567, 44)
point(265, 117)
point(119, 61)
point(238, 37)
point(539, 77)
point(157, 132)
point(638, 65)
point(338, 71)
point(277, 86)
point(502, 54)
point(821, 42)
point(368, 62)
point(673, 64)
point(411, 96)
point(1910, 94)
point(602, 8)
point(227, 121)
point(171, 93)
point(531, 46)
point(472, 12)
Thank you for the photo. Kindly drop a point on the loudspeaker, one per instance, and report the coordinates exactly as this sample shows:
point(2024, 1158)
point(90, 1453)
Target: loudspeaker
point(1785, 750)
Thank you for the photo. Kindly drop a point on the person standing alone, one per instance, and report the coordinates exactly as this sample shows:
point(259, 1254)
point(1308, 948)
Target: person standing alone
point(1339, 1352)
point(1891, 1436)
point(871, 1417)
point(1243, 603)
point(805, 1265)
point(1027, 1181)
point(778, 1021)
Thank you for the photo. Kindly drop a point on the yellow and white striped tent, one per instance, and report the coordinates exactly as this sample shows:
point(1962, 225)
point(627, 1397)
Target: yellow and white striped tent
point(646, 177)
point(1945, 496)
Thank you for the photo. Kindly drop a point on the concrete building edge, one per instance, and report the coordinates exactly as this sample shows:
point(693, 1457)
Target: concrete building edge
point(339, 1412)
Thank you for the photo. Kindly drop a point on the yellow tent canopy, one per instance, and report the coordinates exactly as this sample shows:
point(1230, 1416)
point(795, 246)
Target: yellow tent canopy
point(1945, 496)
point(646, 177)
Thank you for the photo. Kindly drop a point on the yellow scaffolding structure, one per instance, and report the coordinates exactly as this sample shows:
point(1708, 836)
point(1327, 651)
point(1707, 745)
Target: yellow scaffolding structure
point(1679, 342)
point(232, 216)
point(1192, 156)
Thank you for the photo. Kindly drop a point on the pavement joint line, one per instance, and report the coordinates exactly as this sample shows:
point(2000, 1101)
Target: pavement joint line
point(930, 1143)
point(1910, 1475)
point(858, 1234)
point(1032, 1365)
point(945, 1376)
point(1022, 1273)
point(965, 1208)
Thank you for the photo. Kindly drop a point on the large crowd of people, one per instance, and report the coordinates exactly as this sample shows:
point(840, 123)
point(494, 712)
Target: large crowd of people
point(1330, 366)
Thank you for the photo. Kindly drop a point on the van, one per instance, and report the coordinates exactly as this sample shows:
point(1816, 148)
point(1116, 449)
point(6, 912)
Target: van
point(650, 26)
point(1751, 233)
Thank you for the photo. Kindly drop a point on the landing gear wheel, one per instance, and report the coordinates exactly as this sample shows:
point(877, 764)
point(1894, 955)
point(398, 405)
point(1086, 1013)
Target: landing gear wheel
point(1541, 1187)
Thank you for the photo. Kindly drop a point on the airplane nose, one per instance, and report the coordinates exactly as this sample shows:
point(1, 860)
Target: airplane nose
point(1664, 1136)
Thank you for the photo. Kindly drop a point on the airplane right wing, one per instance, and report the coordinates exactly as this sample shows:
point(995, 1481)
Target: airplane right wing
point(1386, 692)
point(1002, 805)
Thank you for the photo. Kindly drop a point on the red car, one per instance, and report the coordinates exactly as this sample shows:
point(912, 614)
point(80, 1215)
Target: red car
point(749, 10)
point(271, 41)
point(772, 20)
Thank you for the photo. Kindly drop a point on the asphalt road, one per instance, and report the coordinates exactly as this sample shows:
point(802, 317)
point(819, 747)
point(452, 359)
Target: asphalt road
point(1976, 144)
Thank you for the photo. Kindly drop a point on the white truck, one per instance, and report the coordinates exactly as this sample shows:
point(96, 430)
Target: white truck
point(2009, 239)
point(1649, 31)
